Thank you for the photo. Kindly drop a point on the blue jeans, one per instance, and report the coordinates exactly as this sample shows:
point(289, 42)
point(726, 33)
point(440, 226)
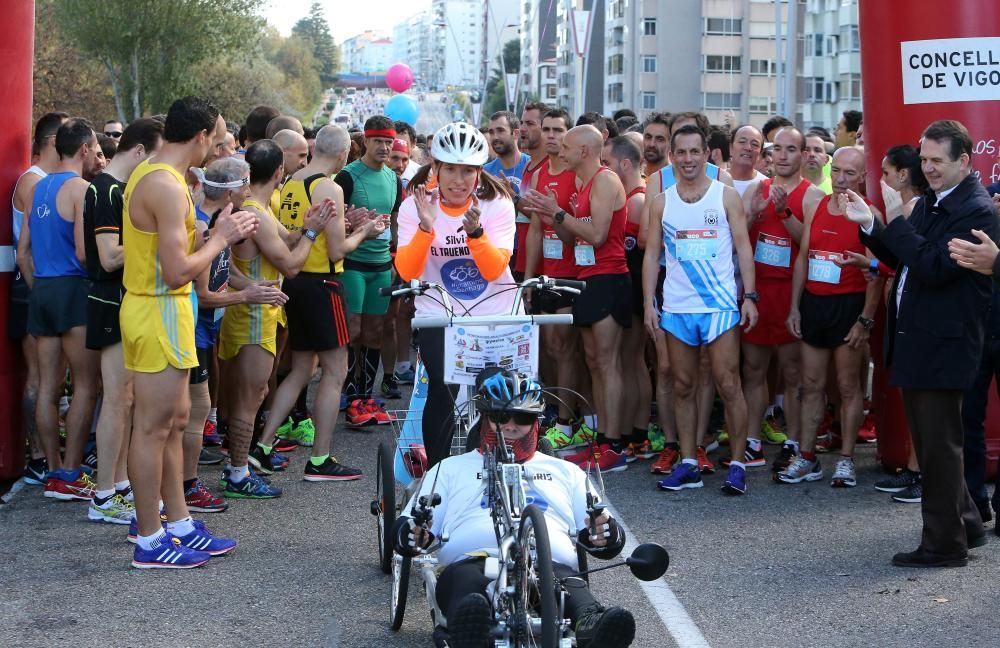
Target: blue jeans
point(973, 420)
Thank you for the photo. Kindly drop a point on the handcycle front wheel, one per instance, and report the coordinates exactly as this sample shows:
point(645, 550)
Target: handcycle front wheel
point(535, 585)
point(384, 506)
point(400, 588)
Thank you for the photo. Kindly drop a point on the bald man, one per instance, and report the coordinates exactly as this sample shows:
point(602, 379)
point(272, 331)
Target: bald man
point(832, 312)
point(283, 122)
point(596, 231)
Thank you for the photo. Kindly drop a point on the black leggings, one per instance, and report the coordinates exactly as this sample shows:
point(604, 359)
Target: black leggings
point(439, 411)
point(465, 577)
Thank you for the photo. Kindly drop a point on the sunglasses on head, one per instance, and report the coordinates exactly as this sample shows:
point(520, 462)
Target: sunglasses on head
point(519, 418)
point(114, 134)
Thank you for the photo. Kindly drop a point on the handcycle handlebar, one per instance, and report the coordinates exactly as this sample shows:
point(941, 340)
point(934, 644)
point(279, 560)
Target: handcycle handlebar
point(443, 321)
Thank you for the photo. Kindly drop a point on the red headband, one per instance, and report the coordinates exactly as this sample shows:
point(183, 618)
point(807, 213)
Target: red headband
point(387, 133)
point(400, 145)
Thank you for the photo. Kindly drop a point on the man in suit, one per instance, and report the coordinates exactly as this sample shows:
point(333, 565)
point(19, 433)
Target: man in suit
point(937, 314)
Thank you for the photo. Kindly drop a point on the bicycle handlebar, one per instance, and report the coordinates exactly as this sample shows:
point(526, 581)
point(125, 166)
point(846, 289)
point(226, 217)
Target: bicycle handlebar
point(443, 321)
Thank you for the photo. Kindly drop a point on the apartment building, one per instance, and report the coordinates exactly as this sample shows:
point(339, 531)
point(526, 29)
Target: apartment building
point(831, 63)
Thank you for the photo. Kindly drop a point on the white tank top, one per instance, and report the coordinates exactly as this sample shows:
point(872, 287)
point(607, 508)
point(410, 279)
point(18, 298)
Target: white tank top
point(698, 247)
point(16, 213)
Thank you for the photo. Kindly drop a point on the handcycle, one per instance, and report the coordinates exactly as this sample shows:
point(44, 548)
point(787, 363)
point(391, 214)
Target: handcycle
point(528, 602)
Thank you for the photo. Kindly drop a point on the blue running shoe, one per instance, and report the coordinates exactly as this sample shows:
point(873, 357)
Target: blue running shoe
point(253, 487)
point(404, 377)
point(736, 481)
point(133, 528)
point(169, 554)
point(683, 476)
point(202, 540)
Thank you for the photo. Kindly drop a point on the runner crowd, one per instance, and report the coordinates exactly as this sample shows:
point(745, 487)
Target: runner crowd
point(719, 260)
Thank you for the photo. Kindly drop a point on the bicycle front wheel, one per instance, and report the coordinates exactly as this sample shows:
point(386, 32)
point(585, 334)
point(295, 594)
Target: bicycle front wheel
point(535, 589)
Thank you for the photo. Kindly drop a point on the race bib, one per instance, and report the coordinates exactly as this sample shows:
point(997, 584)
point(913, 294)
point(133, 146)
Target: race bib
point(773, 251)
point(822, 268)
point(697, 245)
point(584, 254)
point(552, 246)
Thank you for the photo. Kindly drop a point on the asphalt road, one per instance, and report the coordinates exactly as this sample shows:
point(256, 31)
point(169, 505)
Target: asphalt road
point(784, 566)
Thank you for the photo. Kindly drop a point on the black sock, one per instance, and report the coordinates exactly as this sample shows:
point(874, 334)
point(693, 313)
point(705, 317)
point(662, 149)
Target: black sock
point(639, 436)
point(188, 483)
point(673, 445)
point(371, 358)
point(616, 445)
point(601, 439)
point(350, 385)
point(301, 410)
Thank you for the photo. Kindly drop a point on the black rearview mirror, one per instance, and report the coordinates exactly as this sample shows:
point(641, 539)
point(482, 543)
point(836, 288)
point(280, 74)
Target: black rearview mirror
point(649, 561)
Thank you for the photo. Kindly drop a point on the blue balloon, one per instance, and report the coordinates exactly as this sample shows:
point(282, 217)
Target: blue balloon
point(402, 108)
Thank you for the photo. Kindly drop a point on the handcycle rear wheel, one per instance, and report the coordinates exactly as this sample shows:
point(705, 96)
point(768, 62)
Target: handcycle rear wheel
point(384, 505)
point(400, 588)
point(535, 585)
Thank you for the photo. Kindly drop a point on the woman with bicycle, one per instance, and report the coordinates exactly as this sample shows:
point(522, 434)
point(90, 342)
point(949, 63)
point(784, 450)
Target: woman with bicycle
point(459, 234)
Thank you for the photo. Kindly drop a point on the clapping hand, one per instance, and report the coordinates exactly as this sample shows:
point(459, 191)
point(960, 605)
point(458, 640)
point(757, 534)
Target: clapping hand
point(235, 226)
point(855, 208)
point(425, 202)
point(319, 215)
point(893, 202)
point(471, 220)
point(975, 256)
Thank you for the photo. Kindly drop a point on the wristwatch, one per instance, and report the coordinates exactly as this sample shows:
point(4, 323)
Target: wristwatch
point(869, 324)
point(789, 213)
point(560, 216)
point(873, 267)
point(752, 296)
point(310, 234)
point(476, 233)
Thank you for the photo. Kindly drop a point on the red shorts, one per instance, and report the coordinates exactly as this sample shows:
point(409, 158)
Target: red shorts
point(775, 302)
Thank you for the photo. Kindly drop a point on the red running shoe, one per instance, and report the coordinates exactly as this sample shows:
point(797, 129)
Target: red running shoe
point(211, 435)
point(81, 489)
point(380, 416)
point(867, 432)
point(200, 499)
point(606, 459)
point(358, 414)
point(284, 445)
point(664, 465)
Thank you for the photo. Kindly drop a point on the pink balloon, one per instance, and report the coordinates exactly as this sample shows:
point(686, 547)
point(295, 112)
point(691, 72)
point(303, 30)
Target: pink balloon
point(399, 77)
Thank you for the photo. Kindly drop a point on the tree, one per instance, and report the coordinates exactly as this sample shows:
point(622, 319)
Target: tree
point(325, 52)
point(495, 98)
point(64, 79)
point(149, 48)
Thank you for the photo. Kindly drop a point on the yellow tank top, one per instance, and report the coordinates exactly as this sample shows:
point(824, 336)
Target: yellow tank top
point(258, 268)
point(295, 203)
point(143, 273)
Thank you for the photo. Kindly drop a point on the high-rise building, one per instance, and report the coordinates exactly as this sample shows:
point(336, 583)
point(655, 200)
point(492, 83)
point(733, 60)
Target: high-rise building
point(411, 41)
point(538, 48)
point(707, 55)
point(580, 78)
point(831, 63)
point(457, 42)
point(366, 53)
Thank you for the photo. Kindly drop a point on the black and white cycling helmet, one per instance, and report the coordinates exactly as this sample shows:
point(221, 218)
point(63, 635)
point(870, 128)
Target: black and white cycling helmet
point(460, 143)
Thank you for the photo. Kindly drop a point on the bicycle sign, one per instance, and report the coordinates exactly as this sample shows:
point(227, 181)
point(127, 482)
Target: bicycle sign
point(470, 349)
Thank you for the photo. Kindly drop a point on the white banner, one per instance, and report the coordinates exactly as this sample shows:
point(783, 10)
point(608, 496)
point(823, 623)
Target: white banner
point(950, 69)
point(581, 30)
point(511, 96)
point(470, 349)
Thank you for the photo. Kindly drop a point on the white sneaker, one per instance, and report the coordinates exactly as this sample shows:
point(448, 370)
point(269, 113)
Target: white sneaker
point(844, 475)
point(117, 510)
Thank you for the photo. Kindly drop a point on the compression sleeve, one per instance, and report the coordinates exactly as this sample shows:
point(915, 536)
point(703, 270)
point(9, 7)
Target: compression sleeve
point(491, 260)
point(412, 257)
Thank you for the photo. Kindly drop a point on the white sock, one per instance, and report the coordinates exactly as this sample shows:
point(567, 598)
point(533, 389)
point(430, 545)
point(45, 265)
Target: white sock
point(181, 527)
point(738, 464)
point(104, 494)
point(779, 401)
point(237, 473)
point(691, 462)
point(122, 485)
point(591, 422)
point(148, 543)
point(753, 443)
point(794, 444)
point(213, 415)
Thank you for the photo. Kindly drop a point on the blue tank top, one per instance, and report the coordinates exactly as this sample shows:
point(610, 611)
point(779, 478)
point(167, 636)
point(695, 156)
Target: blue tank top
point(53, 248)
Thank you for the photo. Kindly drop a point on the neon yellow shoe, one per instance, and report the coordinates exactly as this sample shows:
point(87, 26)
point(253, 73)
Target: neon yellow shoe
point(583, 435)
point(558, 438)
point(723, 436)
point(656, 439)
point(305, 433)
point(772, 435)
point(286, 431)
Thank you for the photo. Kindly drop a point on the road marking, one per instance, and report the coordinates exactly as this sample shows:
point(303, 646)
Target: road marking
point(675, 618)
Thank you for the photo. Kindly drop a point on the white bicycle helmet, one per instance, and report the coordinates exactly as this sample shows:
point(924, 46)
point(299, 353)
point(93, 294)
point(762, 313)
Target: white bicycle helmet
point(460, 143)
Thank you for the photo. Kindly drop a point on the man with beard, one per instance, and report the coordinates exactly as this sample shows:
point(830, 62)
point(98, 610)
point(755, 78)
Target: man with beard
point(655, 143)
point(50, 254)
point(534, 146)
point(504, 133)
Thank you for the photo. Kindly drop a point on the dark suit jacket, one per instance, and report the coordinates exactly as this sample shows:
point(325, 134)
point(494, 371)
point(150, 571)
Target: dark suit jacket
point(935, 341)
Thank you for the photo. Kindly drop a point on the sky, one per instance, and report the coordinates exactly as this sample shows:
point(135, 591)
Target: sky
point(344, 16)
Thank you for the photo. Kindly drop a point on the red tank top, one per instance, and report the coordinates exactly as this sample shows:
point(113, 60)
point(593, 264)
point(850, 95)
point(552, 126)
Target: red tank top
point(774, 250)
point(521, 229)
point(610, 257)
point(557, 257)
point(632, 228)
point(829, 237)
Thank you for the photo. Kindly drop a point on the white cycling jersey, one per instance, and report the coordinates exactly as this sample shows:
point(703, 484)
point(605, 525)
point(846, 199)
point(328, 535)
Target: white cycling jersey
point(556, 486)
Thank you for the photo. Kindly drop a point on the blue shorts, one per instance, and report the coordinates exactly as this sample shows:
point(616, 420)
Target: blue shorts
point(206, 332)
point(698, 329)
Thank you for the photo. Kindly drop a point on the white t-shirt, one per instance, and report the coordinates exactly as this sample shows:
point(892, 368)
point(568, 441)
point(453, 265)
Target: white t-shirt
point(450, 261)
point(556, 486)
point(742, 185)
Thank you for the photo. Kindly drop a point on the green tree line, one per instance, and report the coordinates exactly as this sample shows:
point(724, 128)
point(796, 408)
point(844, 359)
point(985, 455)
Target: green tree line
point(129, 58)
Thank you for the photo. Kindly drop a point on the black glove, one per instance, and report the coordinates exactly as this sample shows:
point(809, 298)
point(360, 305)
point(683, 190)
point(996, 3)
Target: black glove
point(405, 543)
point(612, 531)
